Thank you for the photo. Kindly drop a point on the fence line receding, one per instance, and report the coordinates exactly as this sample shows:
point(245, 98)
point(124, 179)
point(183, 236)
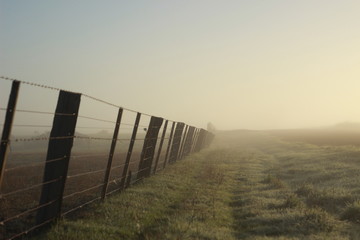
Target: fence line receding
point(77, 156)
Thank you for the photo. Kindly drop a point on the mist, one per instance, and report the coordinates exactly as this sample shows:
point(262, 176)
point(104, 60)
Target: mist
point(204, 119)
point(237, 64)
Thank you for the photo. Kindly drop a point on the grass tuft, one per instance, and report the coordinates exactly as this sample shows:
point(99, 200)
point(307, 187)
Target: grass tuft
point(352, 212)
point(317, 219)
point(292, 201)
point(274, 181)
point(305, 190)
point(332, 200)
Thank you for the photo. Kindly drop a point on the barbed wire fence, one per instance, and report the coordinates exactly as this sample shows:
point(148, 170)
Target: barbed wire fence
point(58, 183)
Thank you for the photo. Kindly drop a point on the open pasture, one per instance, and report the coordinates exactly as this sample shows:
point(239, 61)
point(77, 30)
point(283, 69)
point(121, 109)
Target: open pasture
point(249, 185)
point(323, 137)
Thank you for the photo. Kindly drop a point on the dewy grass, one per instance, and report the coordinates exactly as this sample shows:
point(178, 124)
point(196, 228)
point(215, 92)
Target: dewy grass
point(190, 199)
point(249, 186)
point(274, 181)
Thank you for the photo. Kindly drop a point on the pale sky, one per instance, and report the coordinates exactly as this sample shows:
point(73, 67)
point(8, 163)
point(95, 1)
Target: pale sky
point(251, 64)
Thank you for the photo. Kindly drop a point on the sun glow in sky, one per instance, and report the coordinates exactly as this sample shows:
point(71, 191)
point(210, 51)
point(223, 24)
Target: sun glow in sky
point(238, 64)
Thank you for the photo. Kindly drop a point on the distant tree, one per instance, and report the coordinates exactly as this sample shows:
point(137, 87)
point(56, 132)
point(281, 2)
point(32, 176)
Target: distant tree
point(211, 127)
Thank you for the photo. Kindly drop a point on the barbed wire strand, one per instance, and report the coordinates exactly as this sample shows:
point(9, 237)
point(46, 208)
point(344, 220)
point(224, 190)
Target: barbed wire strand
point(29, 125)
point(115, 181)
point(3, 195)
point(30, 229)
point(34, 164)
point(141, 170)
point(137, 180)
point(89, 155)
point(40, 112)
point(110, 139)
point(95, 138)
point(27, 211)
point(121, 165)
point(127, 124)
point(85, 95)
point(89, 127)
point(39, 139)
point(83, 205)
point(86, 173)
point(96, 119)
point(83, 191)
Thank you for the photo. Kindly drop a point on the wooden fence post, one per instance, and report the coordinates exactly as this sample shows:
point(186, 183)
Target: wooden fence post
point(193, 140)
point(148, 151)
point(182, 145)
point(161, 144)
point(128, 156)
point(5, 137)
point(205, 140)
point(60, 144)
point(175, 146)
point(111, 154)
point(200, 140)
point(169, 144)
point(188, 141)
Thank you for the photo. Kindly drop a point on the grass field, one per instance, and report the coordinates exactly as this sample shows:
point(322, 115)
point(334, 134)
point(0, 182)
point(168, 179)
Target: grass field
point(23, 179)
point(249, 185)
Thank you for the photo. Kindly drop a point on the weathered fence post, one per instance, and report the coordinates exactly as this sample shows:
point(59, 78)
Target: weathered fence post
point(204, 140)
point(59, 149)
point(148, 151)
point(161, 144)
point(200, 140)
point(182, 145)
point(169, 143)
point(175, 146)
point(5, 137)
point(188, 141)
point(111, 154)
point(128, 156)
point(194, 140)
point(202, 143)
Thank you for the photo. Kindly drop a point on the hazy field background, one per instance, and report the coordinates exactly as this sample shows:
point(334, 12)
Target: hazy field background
point(248, 185)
